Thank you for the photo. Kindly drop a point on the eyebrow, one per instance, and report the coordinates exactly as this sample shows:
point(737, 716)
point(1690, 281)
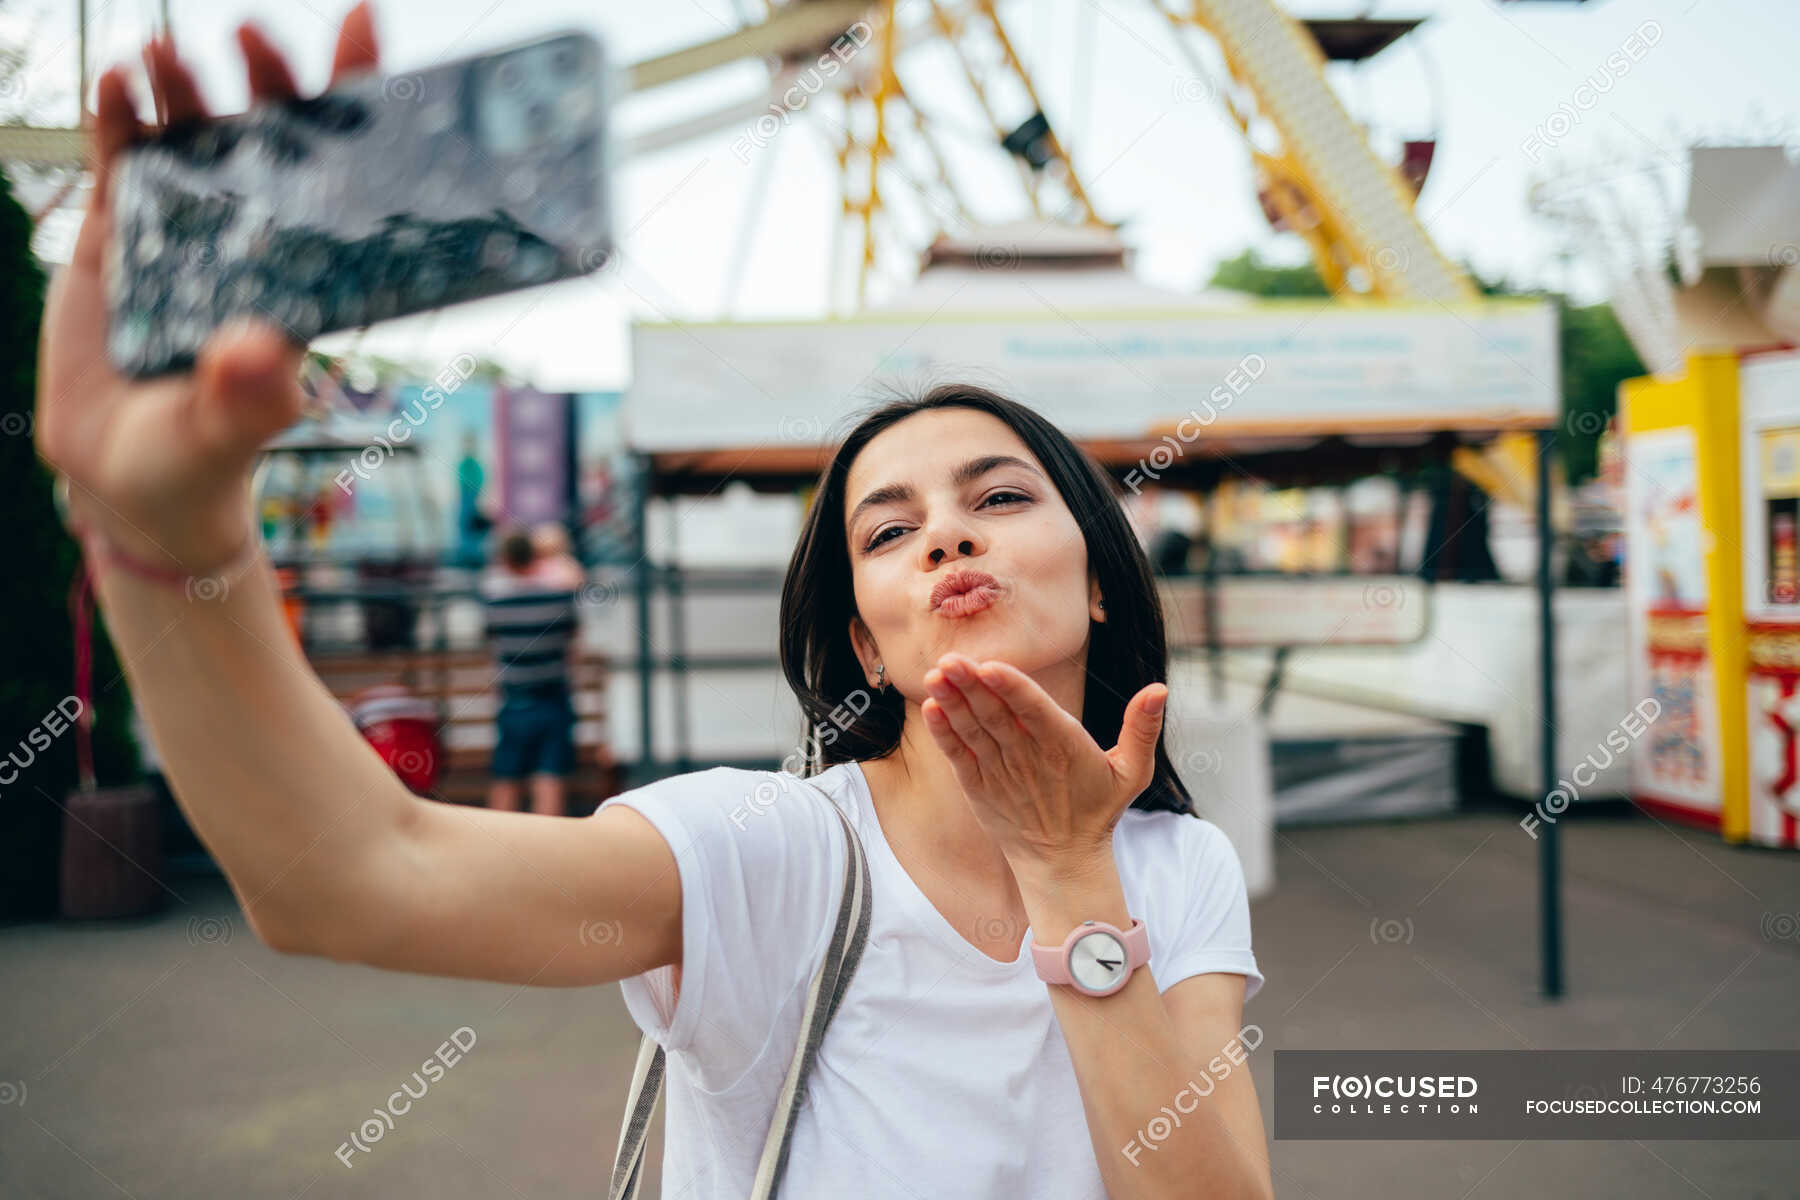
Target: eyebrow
point(966, 473)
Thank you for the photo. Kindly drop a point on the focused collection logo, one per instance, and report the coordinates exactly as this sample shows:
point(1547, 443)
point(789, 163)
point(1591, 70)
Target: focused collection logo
point(1343, 1095)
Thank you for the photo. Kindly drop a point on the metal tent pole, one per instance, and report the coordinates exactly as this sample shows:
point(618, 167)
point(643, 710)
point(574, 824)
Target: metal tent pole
point(678, 644)
point(641, 571)
point(1549, 880)
point(1209, 599)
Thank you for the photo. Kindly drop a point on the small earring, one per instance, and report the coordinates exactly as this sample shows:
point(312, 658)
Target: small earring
point(1103, 606)
point(880, 680)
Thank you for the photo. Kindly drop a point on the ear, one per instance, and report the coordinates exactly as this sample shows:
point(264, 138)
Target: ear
point(866, 652)
point(1095, 612)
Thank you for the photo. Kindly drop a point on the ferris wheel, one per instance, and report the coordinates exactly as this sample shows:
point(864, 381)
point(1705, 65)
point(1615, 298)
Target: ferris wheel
point(853, 69)
point(869, 79)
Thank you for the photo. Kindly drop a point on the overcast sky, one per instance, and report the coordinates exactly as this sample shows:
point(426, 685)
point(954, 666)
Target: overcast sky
point(1157, 151)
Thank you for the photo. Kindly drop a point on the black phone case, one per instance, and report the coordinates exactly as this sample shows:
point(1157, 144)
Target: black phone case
point(380, 197)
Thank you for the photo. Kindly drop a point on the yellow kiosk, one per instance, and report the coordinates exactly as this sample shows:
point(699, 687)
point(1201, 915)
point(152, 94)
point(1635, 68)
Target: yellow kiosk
point(1712, 494)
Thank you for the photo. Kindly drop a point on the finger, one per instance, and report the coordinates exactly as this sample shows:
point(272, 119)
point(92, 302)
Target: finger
point(961, 717)
point(116, 126)
point(963, 761)
point(264, 66)
point(1042, 718)
point(151, 72)
point(116, 123)
point(178, 96)
point(1135, 755)
point(356, 48)
point(248, 388)
point(995, 717)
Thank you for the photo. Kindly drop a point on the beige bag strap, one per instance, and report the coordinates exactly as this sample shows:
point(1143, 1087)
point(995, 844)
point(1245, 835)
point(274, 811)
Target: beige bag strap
point(829, 983)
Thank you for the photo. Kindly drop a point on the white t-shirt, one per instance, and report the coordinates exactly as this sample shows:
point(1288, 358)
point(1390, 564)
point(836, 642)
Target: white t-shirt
point(944, 1071)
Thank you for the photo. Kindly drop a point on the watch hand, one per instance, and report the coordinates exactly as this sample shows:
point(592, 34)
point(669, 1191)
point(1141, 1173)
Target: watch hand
point(1111, 964)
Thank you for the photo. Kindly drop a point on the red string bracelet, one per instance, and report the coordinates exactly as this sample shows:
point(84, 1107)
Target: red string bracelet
point(211, 585)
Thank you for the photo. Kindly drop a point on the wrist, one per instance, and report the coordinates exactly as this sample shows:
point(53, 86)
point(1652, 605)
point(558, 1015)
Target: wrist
point(199, 546)
point(215, 583)
point(1057, 901)
point(1071, 866)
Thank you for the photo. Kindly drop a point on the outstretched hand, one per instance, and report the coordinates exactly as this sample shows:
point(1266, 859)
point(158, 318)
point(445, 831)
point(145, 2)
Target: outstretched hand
point(162, 466)
point(1039, 784)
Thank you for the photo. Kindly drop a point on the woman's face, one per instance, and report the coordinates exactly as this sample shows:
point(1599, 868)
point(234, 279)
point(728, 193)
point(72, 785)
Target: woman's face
point(952, 493)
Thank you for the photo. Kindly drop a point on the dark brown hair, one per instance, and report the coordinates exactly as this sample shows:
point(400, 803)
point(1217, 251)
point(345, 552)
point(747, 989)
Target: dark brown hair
point(1126, 652)
point(516, 550)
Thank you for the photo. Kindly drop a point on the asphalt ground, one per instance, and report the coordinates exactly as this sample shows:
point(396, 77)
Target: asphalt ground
point(175, 1056)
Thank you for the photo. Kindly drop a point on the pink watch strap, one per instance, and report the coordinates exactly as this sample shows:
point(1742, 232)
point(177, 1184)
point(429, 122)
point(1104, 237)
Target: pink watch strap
point(1052, 962)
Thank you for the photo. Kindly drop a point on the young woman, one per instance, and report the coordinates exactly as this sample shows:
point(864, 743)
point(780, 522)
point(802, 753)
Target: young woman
point(973, 634)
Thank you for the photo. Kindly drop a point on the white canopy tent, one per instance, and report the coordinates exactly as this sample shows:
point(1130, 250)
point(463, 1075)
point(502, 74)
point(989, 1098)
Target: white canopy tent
point(1052, 317)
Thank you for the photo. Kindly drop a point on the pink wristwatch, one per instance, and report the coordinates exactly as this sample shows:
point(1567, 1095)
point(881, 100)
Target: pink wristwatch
point(1096, 958)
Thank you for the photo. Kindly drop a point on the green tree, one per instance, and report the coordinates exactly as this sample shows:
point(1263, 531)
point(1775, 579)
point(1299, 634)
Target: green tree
point(1596, 358)
point(1249, 273)
point(34, 591)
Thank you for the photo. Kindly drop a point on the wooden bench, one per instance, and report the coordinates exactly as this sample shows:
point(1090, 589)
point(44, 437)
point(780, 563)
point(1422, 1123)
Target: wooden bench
point(461, 683)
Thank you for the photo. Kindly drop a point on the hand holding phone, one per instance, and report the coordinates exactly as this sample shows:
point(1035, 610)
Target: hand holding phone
point(380, 197)
point(162, 466)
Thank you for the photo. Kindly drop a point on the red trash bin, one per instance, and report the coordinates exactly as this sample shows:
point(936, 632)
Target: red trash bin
point(403, 728)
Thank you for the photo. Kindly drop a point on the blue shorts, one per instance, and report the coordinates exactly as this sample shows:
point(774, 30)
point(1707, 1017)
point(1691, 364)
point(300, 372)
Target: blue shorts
point(537, 735)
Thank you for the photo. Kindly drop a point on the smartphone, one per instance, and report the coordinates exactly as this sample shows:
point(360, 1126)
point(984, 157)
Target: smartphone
point(385, 195)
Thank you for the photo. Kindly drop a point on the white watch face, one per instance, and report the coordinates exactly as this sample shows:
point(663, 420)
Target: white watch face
point(1097, 960)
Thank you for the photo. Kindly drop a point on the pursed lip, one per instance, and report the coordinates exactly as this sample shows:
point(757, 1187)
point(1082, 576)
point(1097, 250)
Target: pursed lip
point(958, 582)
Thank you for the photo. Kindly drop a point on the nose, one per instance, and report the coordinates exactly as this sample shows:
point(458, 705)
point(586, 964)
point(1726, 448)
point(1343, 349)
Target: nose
point(945, 537)
point(948, 533)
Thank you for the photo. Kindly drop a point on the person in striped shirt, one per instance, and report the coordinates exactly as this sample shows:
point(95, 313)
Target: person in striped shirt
point(531, 624)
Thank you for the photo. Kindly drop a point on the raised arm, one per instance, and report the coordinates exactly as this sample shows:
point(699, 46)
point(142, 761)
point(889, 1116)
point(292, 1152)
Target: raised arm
point(325, 849)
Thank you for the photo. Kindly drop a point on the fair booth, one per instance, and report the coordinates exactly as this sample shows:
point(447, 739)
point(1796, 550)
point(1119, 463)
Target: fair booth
point(1164, 391)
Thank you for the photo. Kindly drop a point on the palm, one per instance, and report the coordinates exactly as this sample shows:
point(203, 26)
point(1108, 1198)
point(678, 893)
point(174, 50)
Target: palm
point(117, 439)
point(1034, 775)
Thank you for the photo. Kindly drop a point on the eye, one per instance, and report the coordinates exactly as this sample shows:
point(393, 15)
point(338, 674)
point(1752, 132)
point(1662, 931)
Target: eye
point(881, 537)
point(1004, 495)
